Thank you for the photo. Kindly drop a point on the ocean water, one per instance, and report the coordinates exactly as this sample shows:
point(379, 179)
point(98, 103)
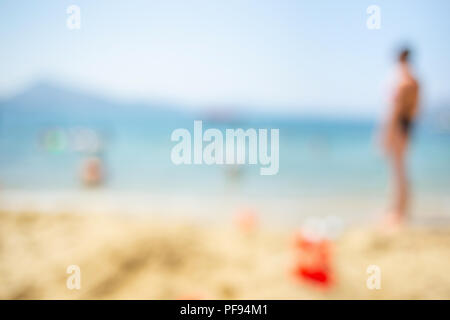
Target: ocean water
point(316, 156)
point(319, 158)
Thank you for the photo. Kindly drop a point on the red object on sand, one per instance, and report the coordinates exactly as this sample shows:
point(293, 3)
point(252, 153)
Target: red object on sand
point(313, 261)
point(318, 276)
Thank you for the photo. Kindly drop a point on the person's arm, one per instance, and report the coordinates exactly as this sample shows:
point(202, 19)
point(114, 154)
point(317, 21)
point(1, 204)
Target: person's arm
point(391, 121)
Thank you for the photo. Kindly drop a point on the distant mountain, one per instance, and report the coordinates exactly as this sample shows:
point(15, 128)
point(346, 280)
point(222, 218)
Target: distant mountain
point(45, 104)
point(45, 97)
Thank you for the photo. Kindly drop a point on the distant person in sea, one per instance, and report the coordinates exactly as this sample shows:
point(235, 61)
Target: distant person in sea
point(90, 144)
point(92, 172)
point(402, 113)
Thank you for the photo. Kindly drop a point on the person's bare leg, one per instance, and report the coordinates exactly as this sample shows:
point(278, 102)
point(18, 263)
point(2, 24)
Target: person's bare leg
point(396, 215)
point(400, 181)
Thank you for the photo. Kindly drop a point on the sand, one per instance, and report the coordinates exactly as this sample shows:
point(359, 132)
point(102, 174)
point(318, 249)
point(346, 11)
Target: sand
point(140, 258)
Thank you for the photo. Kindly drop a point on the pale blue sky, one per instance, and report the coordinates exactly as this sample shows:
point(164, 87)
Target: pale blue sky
point(313, 56)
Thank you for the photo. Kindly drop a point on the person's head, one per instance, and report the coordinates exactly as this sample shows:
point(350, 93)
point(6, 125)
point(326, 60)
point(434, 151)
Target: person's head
point(404, 55)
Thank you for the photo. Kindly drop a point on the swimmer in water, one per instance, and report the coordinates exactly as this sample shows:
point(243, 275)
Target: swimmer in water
point(92, 172)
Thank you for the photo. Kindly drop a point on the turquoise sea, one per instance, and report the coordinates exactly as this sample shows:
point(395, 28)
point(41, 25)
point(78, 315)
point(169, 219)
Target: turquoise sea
point(319, 157)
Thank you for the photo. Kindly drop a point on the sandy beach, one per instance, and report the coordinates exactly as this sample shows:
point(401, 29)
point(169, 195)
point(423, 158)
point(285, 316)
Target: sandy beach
point(138, 258)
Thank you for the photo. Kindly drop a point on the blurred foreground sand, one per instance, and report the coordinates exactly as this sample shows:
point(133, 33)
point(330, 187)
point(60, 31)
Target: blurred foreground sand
point(124, 258)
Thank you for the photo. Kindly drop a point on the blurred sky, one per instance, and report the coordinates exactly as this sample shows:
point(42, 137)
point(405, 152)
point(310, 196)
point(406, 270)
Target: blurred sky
point(313, 56)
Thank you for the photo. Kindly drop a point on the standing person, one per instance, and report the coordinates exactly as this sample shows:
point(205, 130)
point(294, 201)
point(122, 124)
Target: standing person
point(402, 113)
